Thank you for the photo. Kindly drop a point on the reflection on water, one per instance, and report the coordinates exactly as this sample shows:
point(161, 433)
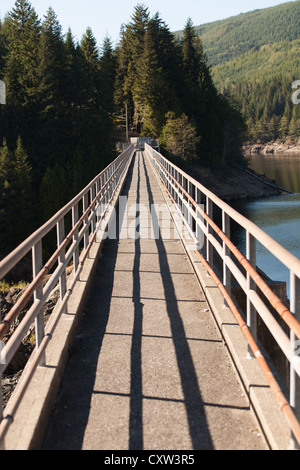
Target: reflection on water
point(284, 169)
point(278, 216)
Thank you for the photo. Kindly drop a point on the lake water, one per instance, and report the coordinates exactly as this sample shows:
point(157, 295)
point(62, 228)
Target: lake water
point(278, 216)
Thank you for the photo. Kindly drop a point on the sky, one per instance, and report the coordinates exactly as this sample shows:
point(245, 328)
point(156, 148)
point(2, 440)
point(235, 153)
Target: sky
point(105, 17)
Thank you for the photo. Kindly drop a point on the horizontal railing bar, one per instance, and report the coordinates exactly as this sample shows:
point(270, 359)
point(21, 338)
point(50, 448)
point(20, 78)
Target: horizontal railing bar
point(275, 329)
point(281, 253)
point(15, 340)
point(110, 186)
point(24, 299)
point(14, 403)
point(274, 386)
point(22, 250)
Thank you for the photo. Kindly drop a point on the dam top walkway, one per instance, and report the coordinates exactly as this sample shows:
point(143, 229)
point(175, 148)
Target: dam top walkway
point(142, 352)
point(149, 369)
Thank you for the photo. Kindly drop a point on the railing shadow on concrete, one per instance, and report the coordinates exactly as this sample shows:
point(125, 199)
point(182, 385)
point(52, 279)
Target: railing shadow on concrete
point(90, 211)
point(196, 205)
point(198, 427)
point(75, 249)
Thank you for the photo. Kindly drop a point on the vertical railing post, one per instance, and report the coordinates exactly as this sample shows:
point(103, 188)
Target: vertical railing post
point(98, 187)
point(189, 215)
point(109, 184)
point(75, 237)
point(1, 402)
point(85, 205)
point(199, 232)
point(93, 210)
point(101, 198)
point(172, 182)
point(251, 285)
point(105, 190)
point(209, 247)
point(37, 264)
point(226, 252)
point(60, 227)
point(184, 208)
point(295, 345)
point(115, 178)
point(2, 361)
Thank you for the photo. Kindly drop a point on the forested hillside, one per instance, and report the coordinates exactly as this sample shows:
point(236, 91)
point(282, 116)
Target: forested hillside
point(167, 88)
point(55, 135)
point(66, 100)
point(255, 57)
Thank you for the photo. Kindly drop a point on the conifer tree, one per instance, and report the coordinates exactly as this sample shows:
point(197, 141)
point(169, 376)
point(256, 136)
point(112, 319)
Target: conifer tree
point(52, 64)
point(23, 187)
point(202, 103)
point(53, 86)
point(72, 73)
point(6, 199)
point(90, 68)
point(2, 50)
point(130, 49)
point(149, 89)
point(107, 64)
point(136, 31)
point(16, 197)
point(23, 30)
point(294, 127)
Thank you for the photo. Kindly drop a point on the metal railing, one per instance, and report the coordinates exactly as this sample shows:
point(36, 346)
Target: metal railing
point(84, 213)
point(187, 194)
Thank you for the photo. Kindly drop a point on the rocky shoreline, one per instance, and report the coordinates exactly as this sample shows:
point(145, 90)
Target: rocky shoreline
point(15, 368)
point(233, 183)
point(275, 148)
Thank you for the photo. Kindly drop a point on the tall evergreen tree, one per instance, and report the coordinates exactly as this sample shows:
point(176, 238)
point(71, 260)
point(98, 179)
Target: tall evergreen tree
point(25, 202)
point(16, 197)
point(136, 31)
point(6, 199)
point(149, 89)
point(107, 76)
point(90, 68)
point(52, 64)
point(2, 50)
point(129, 52)
point(23, 32)
point(53, 88)
point(202, 104)
point(74, 82)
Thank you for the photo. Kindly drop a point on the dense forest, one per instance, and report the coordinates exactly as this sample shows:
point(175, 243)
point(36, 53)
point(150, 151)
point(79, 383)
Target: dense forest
point(55, 136)
point(255, 57)
point(66, 103)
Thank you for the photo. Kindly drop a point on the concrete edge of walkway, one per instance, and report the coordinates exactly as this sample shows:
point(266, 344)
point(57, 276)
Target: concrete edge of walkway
point(27, 430)
point(271, 420)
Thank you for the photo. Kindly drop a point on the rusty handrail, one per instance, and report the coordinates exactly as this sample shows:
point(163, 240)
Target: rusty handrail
point(103, 187)
point(6, 322)
point(171, 183)
point(274, 300)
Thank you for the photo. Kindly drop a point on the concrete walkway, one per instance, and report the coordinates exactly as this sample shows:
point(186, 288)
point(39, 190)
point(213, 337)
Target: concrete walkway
point(148, 369)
